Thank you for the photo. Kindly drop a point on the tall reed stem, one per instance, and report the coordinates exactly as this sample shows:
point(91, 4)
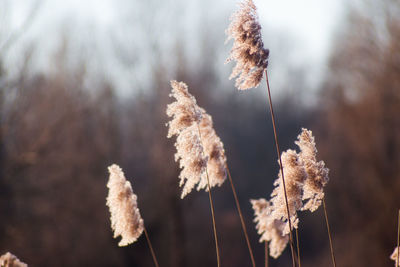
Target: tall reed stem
point(212, 212)
point(281, 166)
point(241, 216)
point(298, 247)
point(151, 247)
point(329, 233)
point(398, 239)
point(266, 254)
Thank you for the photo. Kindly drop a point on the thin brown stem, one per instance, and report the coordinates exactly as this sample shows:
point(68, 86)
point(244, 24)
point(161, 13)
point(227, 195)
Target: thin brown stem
point(281, 167)
point(329, 233)
point(298, 247)
point(398, 239)
point(241, 216)
point(151, 247)
point(266, 254)
point(212, 212)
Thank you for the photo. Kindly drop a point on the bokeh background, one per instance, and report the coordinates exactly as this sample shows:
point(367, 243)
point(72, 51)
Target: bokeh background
point(84, 84)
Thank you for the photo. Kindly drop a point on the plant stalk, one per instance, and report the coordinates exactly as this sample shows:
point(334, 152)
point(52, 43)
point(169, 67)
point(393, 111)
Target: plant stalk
point(241, 216)
point(151, 247)
point(212, 211)
point(329, 233)
point(298, 247)
point(281, 167)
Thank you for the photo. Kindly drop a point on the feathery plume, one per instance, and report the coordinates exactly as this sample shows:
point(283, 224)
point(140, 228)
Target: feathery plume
point(270, 229)
point(317, 174)
point(248, 48)
point(198, 147)
point(9, 260)
point(214, 149)
point(394, 256)
point(186, 115)
point(295, 175)
point(122, 202)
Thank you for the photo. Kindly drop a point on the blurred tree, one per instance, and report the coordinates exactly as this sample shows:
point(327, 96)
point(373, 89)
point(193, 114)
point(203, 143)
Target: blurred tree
point(361, 126)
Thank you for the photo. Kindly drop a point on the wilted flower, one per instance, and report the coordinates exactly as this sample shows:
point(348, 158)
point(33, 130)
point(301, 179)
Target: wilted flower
point(122, 202)
point(248, 48)
point(9, 260)
point(317, 174)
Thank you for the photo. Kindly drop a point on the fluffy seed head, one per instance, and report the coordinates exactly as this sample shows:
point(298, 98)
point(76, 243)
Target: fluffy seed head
point(270, 229)
point(184, 111)
point(191, 157)
point(295, 175)
point(394, 256)
point(122, 202)
point(214, 149)
point(9, 260)
point(199, 149)
point(248, 49)
point(317, 174)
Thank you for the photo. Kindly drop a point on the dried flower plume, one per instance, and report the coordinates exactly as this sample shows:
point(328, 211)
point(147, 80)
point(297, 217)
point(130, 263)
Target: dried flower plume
point(295, 175)
point(270, 229)
point(394, 256)
point(317, 174)
point(305, 178)
point(9, 260)
point(122, 202)
point(214, 149)
point(248, 48)
point(198, 147)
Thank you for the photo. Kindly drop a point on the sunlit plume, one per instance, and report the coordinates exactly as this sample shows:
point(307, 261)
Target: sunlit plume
point(122, 202)
point(248, 49)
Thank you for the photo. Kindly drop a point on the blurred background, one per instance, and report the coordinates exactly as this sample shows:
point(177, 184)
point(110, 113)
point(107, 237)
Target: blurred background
point(84, 84)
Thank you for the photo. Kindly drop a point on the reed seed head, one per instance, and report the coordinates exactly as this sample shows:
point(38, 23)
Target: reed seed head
point(214, 149)
point(295, 175)
point(10, 260)
point(248, 49)
point(270, 229)
point(394, 256)
point(199, 149)
point(122, 202)
point(317, 173)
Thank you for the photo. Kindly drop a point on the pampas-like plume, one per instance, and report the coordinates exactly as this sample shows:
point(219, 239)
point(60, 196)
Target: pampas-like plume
point(248, 48)
point(295, 175)
point(198, 147)
point(317, 174)
point(214, 149)
point(122, 202)
point(9, 260)
point(394, 256)
point(270, 229)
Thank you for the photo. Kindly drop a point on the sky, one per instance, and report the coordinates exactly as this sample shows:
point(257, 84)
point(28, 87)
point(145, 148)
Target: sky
point(308, 25)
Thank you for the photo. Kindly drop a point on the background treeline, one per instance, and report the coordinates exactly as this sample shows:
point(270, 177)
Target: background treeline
point(60, 130)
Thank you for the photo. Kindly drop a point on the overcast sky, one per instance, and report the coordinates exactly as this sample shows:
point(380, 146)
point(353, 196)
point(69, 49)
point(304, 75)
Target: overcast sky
point(308, 24)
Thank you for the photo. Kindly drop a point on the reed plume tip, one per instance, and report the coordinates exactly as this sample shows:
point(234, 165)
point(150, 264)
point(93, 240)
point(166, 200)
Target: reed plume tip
point(122, 202)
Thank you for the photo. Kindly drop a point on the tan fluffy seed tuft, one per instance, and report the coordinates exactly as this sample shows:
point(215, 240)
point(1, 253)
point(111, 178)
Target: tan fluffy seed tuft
point(394, 256)
point(9, 260)
point(295, 175)
point(248, 49)
point(214, 149)
point(122, 202)
point(199, 149)
point(317, 173)
point(270, 229)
